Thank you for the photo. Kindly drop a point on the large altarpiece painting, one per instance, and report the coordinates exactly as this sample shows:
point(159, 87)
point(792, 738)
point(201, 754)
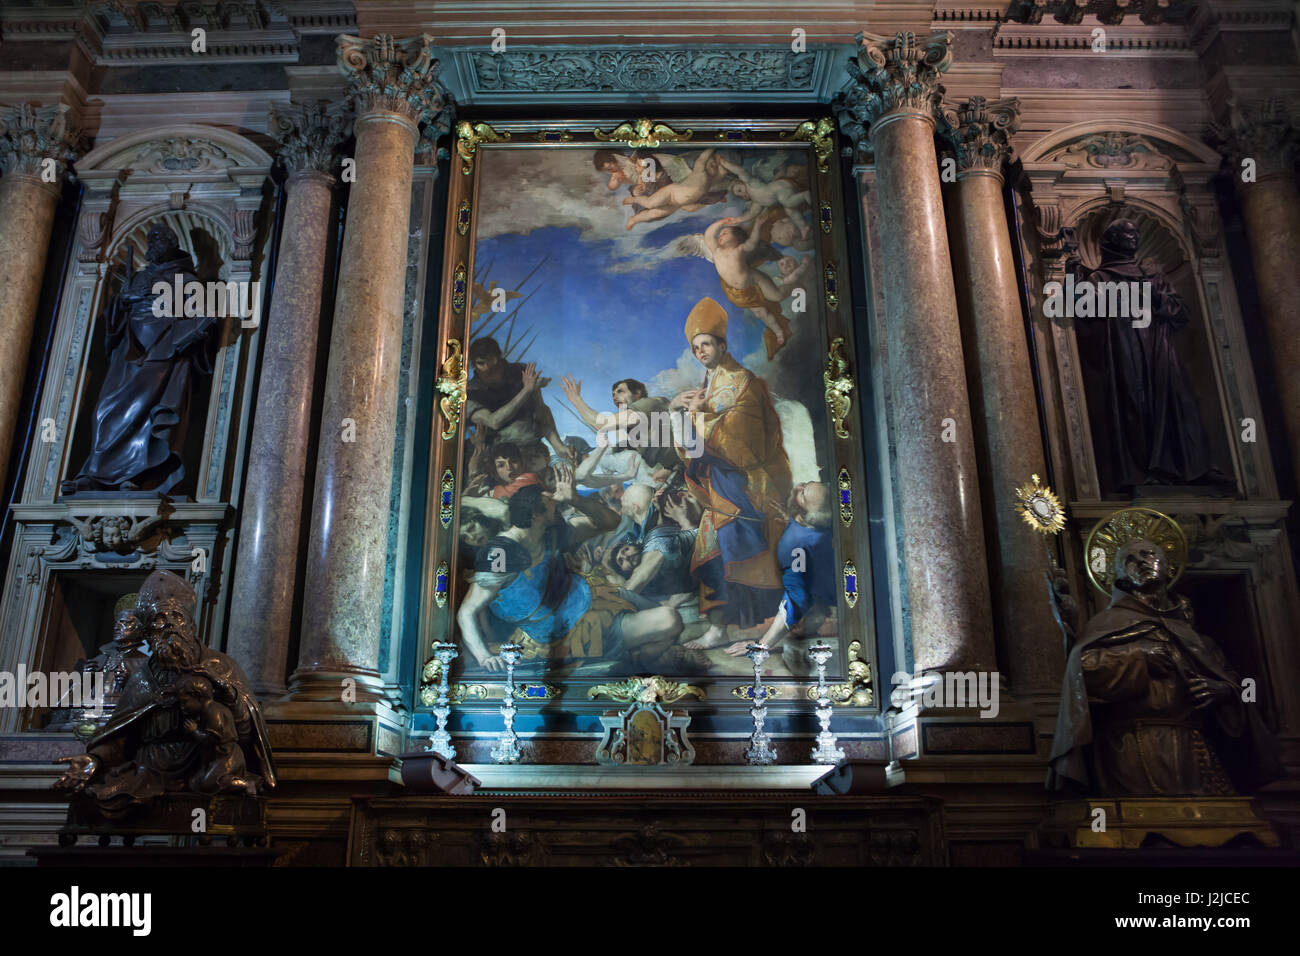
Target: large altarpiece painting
point(636, 467)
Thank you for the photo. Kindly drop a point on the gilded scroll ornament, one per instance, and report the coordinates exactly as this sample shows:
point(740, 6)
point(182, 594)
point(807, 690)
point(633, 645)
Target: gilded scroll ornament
point(838, 385)
point(468, 137)
point(643, 133)
point(452, 383)
point(463, 692)
point(821, 133)
point(856, 691)
point(1130, 524)
point(646, 689)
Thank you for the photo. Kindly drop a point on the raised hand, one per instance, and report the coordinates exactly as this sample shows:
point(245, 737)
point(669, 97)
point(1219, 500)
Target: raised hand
point(530, 376)
point(563, 484)
point(572, 388)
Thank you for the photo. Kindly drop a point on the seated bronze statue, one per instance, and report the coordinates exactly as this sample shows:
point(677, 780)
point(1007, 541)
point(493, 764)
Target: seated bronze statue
point(1150, 706)
point(186, 722)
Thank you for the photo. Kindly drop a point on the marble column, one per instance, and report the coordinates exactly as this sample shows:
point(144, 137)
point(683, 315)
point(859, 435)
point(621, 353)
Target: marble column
point(890, 109)
point(1008, 439)
point(35, 148)
point(1270, 207)
point(270, 526)
point(393, 86)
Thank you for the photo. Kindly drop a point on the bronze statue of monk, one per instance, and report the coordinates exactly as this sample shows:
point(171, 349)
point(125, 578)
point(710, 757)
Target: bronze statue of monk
point(1150, 706)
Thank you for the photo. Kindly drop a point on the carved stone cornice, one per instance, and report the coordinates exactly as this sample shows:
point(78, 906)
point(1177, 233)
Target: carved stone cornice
point(31, 136)
point(980, 132)
point(400, 77)
point(893, 76)
point(642, 70)
point(1261, 131)
point(308, 136)
point(1106, 11)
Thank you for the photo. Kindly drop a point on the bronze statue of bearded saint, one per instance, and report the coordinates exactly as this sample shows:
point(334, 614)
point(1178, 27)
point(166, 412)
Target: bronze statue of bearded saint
point(187, 720)
point(143, 409)
point(1150, 706)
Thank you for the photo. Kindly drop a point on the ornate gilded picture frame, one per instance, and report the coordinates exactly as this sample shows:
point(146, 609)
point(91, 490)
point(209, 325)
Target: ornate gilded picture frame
point(647, 451)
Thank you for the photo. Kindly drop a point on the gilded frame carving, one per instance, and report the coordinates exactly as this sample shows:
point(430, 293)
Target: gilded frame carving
point(846, 450)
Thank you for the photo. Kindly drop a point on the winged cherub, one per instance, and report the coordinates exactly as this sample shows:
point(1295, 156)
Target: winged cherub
point(735, 253)
point(692, 188)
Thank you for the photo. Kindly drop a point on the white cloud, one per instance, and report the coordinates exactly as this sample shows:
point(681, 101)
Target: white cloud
point(528, 189)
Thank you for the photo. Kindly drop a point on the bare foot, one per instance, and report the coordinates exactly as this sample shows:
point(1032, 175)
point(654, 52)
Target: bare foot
point(713, 637)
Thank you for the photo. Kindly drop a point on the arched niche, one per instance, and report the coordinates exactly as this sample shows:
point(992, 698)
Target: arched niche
point(210, 246)
point(1161, 251)
point(1083, 176)
point(211, 185)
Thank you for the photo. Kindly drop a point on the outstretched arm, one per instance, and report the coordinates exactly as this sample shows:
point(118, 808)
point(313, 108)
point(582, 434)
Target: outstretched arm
point(599, 519)
point(494, 420)
point(572, 388)
point(645, 571)
point(475, 600)
point(731, 167)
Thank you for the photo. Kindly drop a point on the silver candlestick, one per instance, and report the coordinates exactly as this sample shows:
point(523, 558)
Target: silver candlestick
point(440, 740)
point(507, 746)
point(760, 750)
point(827, 749)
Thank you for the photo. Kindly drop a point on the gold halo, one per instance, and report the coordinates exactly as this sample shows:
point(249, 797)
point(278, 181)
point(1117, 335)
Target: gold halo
point(1128, 524)
point(126, 602)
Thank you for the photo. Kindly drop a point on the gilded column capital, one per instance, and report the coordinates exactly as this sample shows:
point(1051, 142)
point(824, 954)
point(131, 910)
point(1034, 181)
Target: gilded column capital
point(309, 135)
point(979, 131)
point(36, 141)
point(396, 77)
point(893, 76)
point(1262, 131)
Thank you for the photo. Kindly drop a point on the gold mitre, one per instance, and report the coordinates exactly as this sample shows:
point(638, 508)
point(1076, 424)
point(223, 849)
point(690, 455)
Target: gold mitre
point(707, 318)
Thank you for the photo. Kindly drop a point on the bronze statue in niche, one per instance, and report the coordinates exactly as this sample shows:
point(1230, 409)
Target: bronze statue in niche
point(143, 410)
point(1150, 706)
point(186, 722)
point(1146, 423)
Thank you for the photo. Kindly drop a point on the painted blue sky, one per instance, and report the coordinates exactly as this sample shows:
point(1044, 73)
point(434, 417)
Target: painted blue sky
point(610, 303)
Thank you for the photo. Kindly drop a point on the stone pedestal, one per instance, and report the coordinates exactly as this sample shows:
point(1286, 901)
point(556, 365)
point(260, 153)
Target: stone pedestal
point(393, 86)
point(34, 151)
point(896, 93)
point(270, 523)
point(1008, 440)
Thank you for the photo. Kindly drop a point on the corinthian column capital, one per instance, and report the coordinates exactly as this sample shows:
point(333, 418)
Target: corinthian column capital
point(1261, 131)
point(309, 135)
point(397, 77)
point(36, 141)
point(893, 76)
point(980, 131)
